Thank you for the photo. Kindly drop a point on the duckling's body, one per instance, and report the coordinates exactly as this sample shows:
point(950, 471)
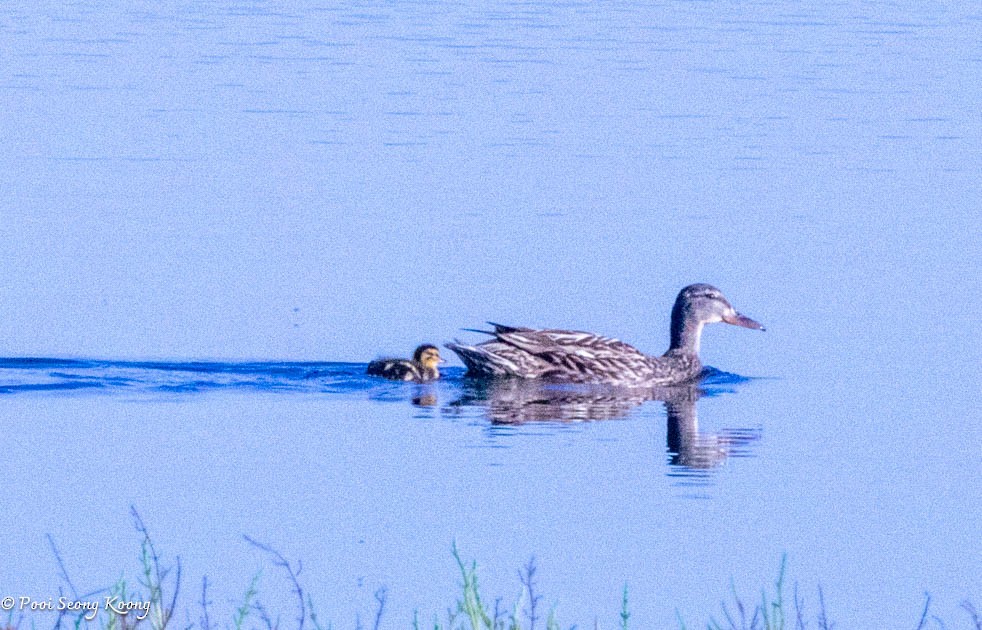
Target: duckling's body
point(582, 357)
point(421, 368)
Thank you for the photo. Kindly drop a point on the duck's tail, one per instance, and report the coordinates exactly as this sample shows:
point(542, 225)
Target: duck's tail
point(480, 362)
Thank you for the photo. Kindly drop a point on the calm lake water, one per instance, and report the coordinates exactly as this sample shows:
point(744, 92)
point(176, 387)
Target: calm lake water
point(215, 213)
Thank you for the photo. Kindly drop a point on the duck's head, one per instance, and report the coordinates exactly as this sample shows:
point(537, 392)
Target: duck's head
point(428, 356)
point(705, 303)
point(699, 304)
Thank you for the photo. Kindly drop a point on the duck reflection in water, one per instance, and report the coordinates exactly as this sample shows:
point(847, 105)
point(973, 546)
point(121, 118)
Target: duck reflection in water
point(522, 401)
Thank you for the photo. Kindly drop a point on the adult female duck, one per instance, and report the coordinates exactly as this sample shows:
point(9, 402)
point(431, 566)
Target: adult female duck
point(421, 368)
point(581, 357)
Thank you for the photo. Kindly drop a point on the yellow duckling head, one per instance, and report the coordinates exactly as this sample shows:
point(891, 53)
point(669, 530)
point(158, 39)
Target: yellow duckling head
point(428, 356)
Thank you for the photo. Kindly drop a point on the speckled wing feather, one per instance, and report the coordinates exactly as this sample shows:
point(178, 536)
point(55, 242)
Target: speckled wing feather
point(493, 358)
point(581, 356)
point(571, 356)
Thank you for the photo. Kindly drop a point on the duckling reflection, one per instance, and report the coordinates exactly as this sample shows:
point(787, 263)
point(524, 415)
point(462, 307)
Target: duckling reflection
point(520, 401)
point(424, 395)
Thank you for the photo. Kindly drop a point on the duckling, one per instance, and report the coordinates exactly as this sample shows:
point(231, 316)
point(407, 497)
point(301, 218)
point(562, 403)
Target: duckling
point(422, 367)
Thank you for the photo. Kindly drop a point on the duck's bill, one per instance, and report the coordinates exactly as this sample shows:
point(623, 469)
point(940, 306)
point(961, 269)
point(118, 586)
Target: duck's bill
point(742, 320)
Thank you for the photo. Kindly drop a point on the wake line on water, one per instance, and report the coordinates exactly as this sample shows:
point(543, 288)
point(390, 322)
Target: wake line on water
point(52, 375)
point(41, 376)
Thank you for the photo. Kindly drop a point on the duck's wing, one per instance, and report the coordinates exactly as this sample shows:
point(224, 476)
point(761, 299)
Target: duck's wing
point(494, 358)
point(577, 355)
point(589, 346)
point(568, 355)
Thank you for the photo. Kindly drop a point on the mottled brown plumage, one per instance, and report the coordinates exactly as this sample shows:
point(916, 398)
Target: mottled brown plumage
point(582, 357)
point(422, 367)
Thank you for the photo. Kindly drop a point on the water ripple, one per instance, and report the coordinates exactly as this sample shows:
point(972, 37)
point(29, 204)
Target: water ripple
point(42, 374)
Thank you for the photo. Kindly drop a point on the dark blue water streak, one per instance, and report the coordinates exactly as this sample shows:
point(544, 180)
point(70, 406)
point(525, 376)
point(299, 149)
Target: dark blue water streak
point(57, 375)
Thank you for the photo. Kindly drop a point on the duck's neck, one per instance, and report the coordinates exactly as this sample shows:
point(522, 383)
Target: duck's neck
point(686, 332)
